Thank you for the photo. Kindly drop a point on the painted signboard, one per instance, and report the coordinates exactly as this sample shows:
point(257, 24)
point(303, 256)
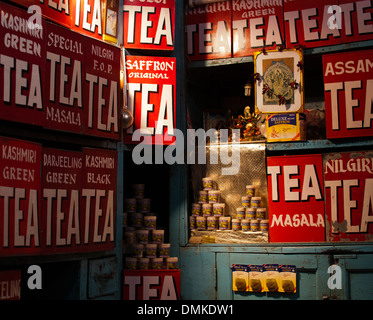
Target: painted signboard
point(10, 285)
point(208, 31)
point(62, 221)
point(295, 198)
point(98, 203)
point(102, 85)
point(64, 86)
point(151, 97)
point(149, 24)
point(20, 190)
point(256, 26)
point(349, 196)
point(151, 284)
point(348, 85)
point(21, 60)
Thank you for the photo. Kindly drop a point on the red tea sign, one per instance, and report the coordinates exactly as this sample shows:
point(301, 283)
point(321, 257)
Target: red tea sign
point(208, 31)
point(102, 65)
point(349, 196)
point(149, 24)
point(10, 285)
point(151, 96)
point(151, 285)
point(64, 71)
point(256, 27)
point(98, 203)
point(20, 190)
point(22, 55)
point(62, 221)
point(295, 199)
point(348, 85)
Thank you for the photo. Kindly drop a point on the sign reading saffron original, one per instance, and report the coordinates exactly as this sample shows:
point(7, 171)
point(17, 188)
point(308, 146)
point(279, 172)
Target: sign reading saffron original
point(348, 85)
point(20, 190)
point(295, 199)
point(349, 196)
point(151, 96)
point(149, 24)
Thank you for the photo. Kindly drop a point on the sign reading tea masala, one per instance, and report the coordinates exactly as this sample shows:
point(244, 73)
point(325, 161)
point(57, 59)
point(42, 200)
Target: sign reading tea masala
point(295, 199)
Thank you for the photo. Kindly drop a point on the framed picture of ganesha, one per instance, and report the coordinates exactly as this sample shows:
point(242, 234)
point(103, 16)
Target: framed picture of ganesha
point(278, 81)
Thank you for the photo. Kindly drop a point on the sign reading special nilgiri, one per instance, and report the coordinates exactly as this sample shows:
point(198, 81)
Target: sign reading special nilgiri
point(151, 97)
point(295, 199)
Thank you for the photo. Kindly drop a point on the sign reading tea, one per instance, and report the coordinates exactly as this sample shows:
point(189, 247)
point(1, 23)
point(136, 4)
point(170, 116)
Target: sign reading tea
point(295, 199)
point(349, 196)
point(149, 24)
point(151, 96)
point(20, 190)
point(348, 85)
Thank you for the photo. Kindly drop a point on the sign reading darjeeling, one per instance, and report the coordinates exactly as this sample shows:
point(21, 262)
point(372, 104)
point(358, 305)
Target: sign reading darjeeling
point(10, 285)
point(295, 199)
point(349, 196)
point(56, 201)
point(348, 85)
point(151, 97)
point(149, 24)
point(20, 194)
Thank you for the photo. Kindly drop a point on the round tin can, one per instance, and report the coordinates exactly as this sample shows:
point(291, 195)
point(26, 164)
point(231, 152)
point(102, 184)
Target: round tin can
point(218, 209)
point(264, 225)
point(202, 196)
point(150, 250)
point(254, 225)
point(192, 222)
point(250, 213)
point(142, 236)
point(143, 263)
point(201, 223)
point(143, 204)
point(214, 196)
point(208, 183)
point(171, 263)
point(255, 202)
point(206, 209)
point(130, 204)
point(212, 223)
point(157, 236)
point(164, 250)
point(261, 213)
point(240, 213)
point(245, 200)
point(156, 263)
point(150, 222)
point(245, 224)
point(236, 224)
point(224, 223)
point(196, 209)
point(250, 190)
point(130, 263)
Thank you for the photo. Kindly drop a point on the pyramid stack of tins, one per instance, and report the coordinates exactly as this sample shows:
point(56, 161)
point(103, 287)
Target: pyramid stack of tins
point(144, 243)
point(209, 213)
point(252, 215)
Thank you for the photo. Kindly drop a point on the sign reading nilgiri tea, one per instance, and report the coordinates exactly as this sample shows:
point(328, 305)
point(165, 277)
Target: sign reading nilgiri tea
point(295, 199)
point(349, 196)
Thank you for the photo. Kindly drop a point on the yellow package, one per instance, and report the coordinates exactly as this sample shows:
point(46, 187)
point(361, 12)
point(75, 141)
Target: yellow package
point(288, 278)
point(286, 127)
point(240, 277)
point(270, 277)
point(255, 278)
